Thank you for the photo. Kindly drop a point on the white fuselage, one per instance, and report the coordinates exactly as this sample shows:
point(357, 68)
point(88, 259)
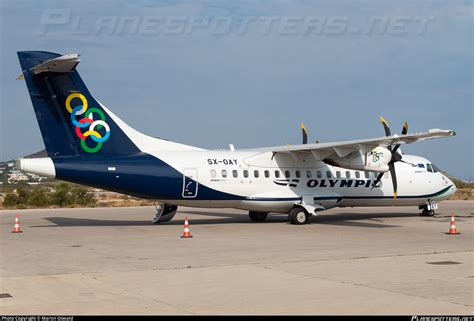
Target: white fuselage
point(274, 182)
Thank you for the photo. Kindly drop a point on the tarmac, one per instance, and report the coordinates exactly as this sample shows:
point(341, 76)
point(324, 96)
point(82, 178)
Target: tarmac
point(347, 261)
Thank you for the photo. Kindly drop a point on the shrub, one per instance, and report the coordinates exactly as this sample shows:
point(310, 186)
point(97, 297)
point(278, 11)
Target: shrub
point(83, 197)
point(38, 197)
point(11, 200)
point(62, 196)
point(22, 196)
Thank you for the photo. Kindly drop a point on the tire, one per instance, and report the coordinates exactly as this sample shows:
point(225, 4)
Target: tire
point(298, 216)
point(426, 212)
point(258, 216)
point(169, 212)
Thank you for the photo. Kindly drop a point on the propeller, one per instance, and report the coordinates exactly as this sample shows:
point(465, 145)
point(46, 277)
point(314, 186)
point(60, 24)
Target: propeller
point(396, 157)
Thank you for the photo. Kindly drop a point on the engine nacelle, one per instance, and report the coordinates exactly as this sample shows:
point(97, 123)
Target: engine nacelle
point(375, 160)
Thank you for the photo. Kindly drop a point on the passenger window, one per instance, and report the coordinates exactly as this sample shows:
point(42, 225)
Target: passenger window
point(298, 174)
point(367, 174)
point(246, 173)
point(328, 174)
point(428, 166)
point(357, 174)
point(319, 174)
point(338, 174)
point(348, 174)
point(235, 173)
point(267, 174)
point(308, 174)
point(213, 173)
point(277, 174)
point(224, 173)
point(287, 174)
point(256, 173)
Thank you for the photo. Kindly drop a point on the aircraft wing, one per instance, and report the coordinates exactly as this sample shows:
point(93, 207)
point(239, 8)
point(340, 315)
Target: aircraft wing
point(342, 149)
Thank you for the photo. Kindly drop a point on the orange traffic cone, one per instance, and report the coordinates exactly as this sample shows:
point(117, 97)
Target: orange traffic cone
point(452, 226)
point(186, 233)
point(16, 228)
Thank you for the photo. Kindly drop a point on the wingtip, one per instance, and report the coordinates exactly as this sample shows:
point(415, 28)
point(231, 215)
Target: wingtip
point(383, 120)
point(303, 127)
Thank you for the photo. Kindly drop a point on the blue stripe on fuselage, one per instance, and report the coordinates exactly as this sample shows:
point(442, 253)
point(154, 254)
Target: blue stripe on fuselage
point(140, 174)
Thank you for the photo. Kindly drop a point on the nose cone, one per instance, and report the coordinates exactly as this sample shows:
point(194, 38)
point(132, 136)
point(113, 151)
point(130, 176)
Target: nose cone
point(453, 188)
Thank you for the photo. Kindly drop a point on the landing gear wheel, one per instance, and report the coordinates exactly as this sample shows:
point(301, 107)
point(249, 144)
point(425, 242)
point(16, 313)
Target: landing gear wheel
point(164, 214)
point(258, 216)
point(298, 215)
point(427, 212)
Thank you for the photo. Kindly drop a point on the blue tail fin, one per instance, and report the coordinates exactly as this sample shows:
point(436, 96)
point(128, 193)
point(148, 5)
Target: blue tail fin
point(71, 121)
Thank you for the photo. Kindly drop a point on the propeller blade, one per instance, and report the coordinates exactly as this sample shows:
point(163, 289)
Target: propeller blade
point(394, 179)
point(407, 163)
point(394, 150)
point(404, 132)
point(377, 180)
point(305, 134)
point(405, 128)
point(385, 127)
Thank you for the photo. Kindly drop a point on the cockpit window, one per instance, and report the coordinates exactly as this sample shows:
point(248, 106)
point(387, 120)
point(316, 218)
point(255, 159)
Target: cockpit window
point(428, 166)
point(435, 168)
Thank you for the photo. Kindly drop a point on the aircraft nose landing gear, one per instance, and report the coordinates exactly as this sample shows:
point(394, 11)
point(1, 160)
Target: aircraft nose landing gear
point(426, 212)
point(428, 209)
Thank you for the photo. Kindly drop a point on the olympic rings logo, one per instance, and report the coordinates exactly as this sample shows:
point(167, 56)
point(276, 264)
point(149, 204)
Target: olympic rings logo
point(88, 122)
point(376, 156)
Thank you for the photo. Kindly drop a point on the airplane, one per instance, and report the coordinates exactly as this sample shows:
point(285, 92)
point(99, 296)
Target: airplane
point(88, 144)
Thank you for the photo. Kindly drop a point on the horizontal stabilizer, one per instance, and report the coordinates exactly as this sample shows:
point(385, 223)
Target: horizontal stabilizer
point(60, 64)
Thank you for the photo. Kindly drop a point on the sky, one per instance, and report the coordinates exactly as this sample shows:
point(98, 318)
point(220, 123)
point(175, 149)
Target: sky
point(213, 73)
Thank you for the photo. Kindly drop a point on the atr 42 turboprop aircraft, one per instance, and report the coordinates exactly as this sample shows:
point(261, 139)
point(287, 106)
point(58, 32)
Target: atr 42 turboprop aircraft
point(88, 144)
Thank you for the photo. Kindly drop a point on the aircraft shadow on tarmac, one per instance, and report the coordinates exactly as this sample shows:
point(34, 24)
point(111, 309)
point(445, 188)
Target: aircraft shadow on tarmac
point(365, 220)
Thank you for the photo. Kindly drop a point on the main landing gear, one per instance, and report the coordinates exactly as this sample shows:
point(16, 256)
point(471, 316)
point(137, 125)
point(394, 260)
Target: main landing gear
point(258, 216)
point(164, 213)
point(298, 215)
